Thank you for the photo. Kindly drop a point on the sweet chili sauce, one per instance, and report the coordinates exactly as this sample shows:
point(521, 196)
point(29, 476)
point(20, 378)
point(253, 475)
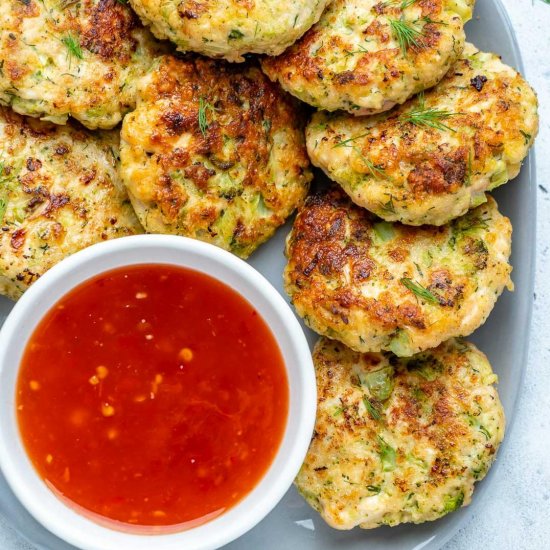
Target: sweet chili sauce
point(152, 395)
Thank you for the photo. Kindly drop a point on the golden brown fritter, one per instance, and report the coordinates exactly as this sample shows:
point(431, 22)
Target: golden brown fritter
point(65, 58)
point(399, 440)
point(59, 193)
point(231, 28)
point(376, 286)
point(365, 56)
point(434, 157)
point(215, 152)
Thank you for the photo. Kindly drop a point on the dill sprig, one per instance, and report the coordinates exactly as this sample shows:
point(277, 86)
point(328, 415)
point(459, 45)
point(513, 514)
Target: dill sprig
point(360, 49)
point(346, 142)
point(203, 119)
point(431, 118)
point(419, 290)
point(403, 4)
point(388, 206)
point(375, 170)
point(73, 46)
point(371, 408)
point(406, 34)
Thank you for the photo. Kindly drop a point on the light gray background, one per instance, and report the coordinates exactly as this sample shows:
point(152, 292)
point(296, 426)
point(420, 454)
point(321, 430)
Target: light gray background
point(517, 508)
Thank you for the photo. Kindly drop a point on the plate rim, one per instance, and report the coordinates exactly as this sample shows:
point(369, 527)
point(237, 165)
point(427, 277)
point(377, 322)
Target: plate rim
point(439, 540)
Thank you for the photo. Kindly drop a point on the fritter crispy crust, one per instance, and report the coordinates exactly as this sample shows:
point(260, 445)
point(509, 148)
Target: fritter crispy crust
point(358, 57)
point(231, 28)
point(59, 193)
point(379, 286)
point(215, 152)
point(399, 440)
point(432, 159)
point(72, 58)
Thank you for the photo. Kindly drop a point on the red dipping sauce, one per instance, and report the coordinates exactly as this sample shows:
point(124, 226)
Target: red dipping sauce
point(152, 395)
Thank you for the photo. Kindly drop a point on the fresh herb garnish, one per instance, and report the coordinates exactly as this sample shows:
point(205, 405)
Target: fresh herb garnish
point(346, 142)
point(406, 34)
point(431, 118)
point(73, 46)
point(388, 206)
point(376, 170)
point(403, 4)
point(360, 49)
point(371, 408)
point(419, 290)
point(203, 120)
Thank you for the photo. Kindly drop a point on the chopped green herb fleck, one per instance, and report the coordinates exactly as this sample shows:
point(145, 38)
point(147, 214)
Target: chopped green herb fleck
point(431, 118)
point(526, 135)
point(360, 49)
point(419, 290)
point(73, 46)
point(203, 120)
point(388, 206)
point(406, 34)
point(376, 171)
point(387, 455)
point(371, 408)
point(485, 432)
point(235, 34)
point(346, 142)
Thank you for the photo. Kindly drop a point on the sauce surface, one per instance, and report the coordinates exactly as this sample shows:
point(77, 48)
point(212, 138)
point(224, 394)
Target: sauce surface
point(152, 395)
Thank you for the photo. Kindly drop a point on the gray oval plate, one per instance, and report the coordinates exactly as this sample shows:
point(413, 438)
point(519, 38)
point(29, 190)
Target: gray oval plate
point(505, 337)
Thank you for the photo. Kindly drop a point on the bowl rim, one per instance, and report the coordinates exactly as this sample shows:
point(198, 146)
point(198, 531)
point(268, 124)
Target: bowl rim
point(21, 475)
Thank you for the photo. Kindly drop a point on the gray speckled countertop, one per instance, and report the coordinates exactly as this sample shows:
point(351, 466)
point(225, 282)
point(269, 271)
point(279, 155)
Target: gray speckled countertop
point(516, 511)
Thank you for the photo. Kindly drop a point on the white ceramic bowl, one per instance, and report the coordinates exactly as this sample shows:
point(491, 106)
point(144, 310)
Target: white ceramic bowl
point(82, 531)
